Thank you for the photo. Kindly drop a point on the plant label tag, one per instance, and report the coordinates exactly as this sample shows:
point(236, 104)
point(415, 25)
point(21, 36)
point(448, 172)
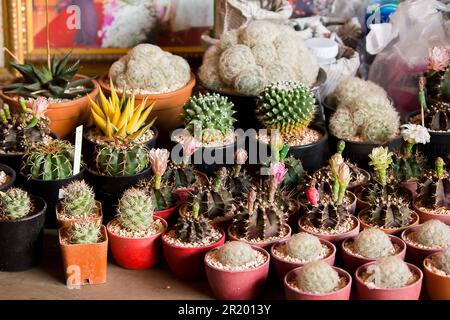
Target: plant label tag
point(78, 143)
point(60, 194)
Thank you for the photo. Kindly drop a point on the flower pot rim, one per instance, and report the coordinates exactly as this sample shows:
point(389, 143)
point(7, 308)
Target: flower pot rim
point(265, 264)
point(33, 216)
point(190, 248)
point(62, 231)
point(104, 83)
point(416, 208)
point(164, 222)
point(98, 206)
point(153, 128)
point(394, 230)
point(428, 269)
point(412, 229)
point(340, 271)
point(224, 146)
point(323, 241)
point(94, 173)
point(9, 172)
point(169, 209)
point(355, 219)
point(365, 143)
point(410, 265)
point(321, 141)
point(287, 227)
point(82, 170)
point(431, 132)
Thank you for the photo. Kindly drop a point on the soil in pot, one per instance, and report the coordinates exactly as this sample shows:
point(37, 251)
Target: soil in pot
point(266, 244)
point(358, 177)
point(348, 229)
point(363, 220)
point(437, 281)
point(425, 213)
point(7, 177)
point(65, 221)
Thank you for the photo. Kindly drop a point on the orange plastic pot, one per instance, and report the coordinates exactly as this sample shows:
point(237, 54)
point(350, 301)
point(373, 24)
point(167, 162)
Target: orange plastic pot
point(84, 263)
point(66, 223)
point(392, 231)
point(438, 286)
point(64, 116)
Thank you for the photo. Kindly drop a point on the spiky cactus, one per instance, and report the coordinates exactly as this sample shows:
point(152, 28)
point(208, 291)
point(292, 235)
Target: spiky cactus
point(84, 233)
point(286, 106)
point(304, 246)
point(295, 173)
point(79, 199)
point(389, 212)
point(49, 160)
point(163, 197)
point(437, 116)
point(194, 227)
point(327, 216)
point(435, 192)
point(317, 277)
point(15, 204)
point(389, 272)
point(182, 176)
point(373, 244)
point(433, 233)
point(121, 159)
point(236, 254)
point(442, 260)
point(135, 210)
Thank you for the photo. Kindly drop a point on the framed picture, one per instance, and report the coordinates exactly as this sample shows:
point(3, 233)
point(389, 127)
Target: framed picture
point(99, 30)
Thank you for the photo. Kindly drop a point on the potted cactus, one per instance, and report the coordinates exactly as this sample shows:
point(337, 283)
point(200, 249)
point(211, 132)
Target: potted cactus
point(437, 275)
point(368, 246)
point(22, 220)
point(84, 249)
point(78, 204)
point(47, 167)
point(237, 180)
point(237, 271)
point(135, 235)
point(317, 281)
point(388, 278)
point(425, 239)
point(7, 177)
point(299, 250)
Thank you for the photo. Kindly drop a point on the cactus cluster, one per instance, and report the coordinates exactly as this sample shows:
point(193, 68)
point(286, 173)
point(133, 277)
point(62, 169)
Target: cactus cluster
point(435, 191)
point(249, 59)
point(355, 88)
point(304, 246)
point(79, 199)
point(317, 277)
point(442, 260)
point(49, 160)
point(84, 233)
point(135, 210)
point(373, 243)
point(433, 233)
point(236, 254)
point(389, 272)
point(15, 204)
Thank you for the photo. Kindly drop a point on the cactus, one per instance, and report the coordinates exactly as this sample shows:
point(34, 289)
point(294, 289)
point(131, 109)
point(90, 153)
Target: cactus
point(373, 244)
point(194, 227)
point(250, 81)
point(236, 254)
point(78, 199)
point(180, 175)
point(435, 191)
point(317, 277)
point(304, 246)
point(15, 204)
point(442, 260)
point(408, 168)
point(121, 159)
point(135, 210)
point(233, 61)
point(327, 216)
point(49, 160)
point(84, 233)
point(437, 116)
point(351, 89)
point(389, 272)
point(389, 212)
point(295, 174)
point(433, 233)
point(341, 124)
point(286, 106)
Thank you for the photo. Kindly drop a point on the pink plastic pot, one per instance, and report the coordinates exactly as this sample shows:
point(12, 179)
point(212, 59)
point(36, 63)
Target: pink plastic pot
point(188, 263)
point(282, 267)
point(295, 294)
point(411, 292)
point(425, 216)
point(266, 245)
point(165, 214)
point(136, 253)
point(237, 285)
point(415, 254)
point(353, 262)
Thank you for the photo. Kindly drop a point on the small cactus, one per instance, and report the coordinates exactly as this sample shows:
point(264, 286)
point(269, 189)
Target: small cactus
point(192, 228)
point(84, 233)
point(236, 254)
point(135, 210)
point(433, 233)
point(304, 246)
point(15, 204)
point(373, 244)
point(435, 192)
point(389, 212)
point(442, 260)
point(389, 272)
point(182, 176)
point(317, 277)
point(79, 200)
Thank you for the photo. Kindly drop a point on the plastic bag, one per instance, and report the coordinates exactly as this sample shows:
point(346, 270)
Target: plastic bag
point(403, 47)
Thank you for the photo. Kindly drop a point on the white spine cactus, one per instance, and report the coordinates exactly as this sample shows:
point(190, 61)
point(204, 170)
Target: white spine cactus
point(317, 277)
point(236, 254)
point(433, 233)
point(389, 272)
point(373, 244)
point(304, 246)
point(354, 87)
point(233, 61)
point(442, 260)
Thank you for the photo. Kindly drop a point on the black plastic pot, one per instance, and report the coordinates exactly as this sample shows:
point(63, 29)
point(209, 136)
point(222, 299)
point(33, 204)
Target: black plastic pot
point(328, 110)
point(49, 191)
point(9, 172)
point(21, 241)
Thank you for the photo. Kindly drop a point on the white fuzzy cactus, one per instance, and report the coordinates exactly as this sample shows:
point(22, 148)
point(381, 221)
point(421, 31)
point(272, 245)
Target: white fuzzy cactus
point(317, 277)
point(304, 246)
point(373, 244)
point(433, 233)
point(442, 260)
point(389, 272)
point(236, 254)
point(353, 87)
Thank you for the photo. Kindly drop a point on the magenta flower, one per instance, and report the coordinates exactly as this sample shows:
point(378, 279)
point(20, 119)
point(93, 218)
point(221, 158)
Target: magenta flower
point(189, 145)
point(278, 171)
point(312, 195)
point(438, 59)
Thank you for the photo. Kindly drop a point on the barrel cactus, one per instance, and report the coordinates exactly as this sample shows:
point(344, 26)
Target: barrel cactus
point(84, 233)
point(193, 227)
point(135, 210)
point(180, 175)
point(389, 272)
point(433, 233)
point(15, 204)
point(373, 244)
point(317, 277)
point(236, 254)
point(304, 246)
point(79, 199)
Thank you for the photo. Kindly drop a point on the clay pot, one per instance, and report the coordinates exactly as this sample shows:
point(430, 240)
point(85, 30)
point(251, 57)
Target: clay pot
point(425, 216)
point(438, 286)
point(166, 214)
point(97, 217)
point(415, 254)
point(410, 292)
point(282, 267)
point(295, 294)
point(64, 116)
point(11, 175)
point(237, 285)
point(352, 261)
point(392, 231)
point(188, 263)
point(136, 253)
point(335, 239)
point(84, 263)
point(266, 245)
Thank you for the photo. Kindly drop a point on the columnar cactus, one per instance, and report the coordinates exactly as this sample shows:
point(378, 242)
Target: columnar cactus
point(433, 233)
point(15, 204)
point(373, 244)
point(304, 246)
point(79, 199)
point(317, 277)
point(389, 272)
point(236, 254)
point(135, 210)
point(84, 233)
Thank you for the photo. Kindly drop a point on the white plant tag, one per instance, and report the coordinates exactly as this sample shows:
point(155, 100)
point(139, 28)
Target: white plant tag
point(61, 194)
point(78, 143)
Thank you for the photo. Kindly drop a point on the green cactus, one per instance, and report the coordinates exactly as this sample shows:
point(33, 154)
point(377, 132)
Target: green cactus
point(15, 204)
point(163, 197)
point(135, 210)
point(408, 168)
point(295, 174)
point(435, 191)
point(79, 199)
point(181, 175)
point(286, 106)
point(84, 233)
point(50, 160)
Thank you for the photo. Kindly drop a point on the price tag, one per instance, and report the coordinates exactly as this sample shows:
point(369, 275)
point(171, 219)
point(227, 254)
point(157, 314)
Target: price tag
point(61, 194)
point(78, 143)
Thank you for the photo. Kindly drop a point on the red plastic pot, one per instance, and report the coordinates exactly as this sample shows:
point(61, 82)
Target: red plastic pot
point(136, 253)
point(353, 262)
point(410, 292)
point(282, 267)
point(165, 214)
point(188, 263)
point(237, 285)
point(415, 254)
point(266, 245)
point(425, 216)
point(295, 294)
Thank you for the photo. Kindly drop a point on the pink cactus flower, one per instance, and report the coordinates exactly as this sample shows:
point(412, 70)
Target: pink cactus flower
point(39, 106)
point(241, 156)
point(278, 171)
point(189, 145)
point(312, 195)
point(438, 59)
point(158, 160)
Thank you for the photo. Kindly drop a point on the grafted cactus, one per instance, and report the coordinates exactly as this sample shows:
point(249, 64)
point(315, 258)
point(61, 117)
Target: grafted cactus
point(194, 227)
point(389, 212)
point(436, 190)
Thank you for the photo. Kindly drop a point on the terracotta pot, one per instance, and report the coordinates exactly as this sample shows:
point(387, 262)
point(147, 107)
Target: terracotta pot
point(438, 286)
point(282, 267)
point(237, 285)
point(266, 245)
point(352, 261)
point(166, 214)
point(84, 263)
point(415, 254)
point(64, 116)
point(295, 294)
point(360, 203)
point(410, 292)
point(392, 231)
point(66, 223)
point(188, 263)
point(425, 216)
point(136, 253)
point(168, 107)
point(335, 239)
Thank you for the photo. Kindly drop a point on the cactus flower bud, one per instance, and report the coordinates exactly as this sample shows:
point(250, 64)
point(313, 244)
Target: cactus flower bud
point(312, 194)
point(278, 171)
point(439, 167)
point(241, 156)
point(344, 179)
point(158, 160)
point(189, 146)
point(335, 162)
point(381, 158)
point(276, 143)
point(39, 106)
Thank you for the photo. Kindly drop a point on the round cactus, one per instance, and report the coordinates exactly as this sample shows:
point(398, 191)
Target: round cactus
point(229, 39)
point(234, 60)
point(317, 277)
point(433, 233)
point(265, 54)
point(342, 125)
point(15, 204)
point(442, 260)
point(389, 272)
point(353, 88)
point(79, 199)
point(135, 210)
point(304, 246)
point(250, 81)
point(258, 31)
point(84, 233)
point(278, 72)
point(373, 244)
point(236, 254)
